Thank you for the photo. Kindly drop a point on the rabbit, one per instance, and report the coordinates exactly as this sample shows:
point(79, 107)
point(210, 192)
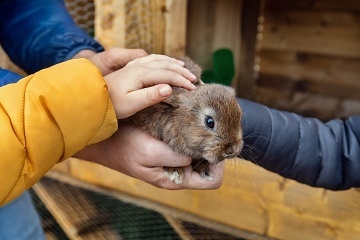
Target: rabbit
point(204, 124)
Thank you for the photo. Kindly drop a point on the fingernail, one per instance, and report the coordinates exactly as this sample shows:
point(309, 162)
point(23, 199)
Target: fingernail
point(181, 62)
point(165, 91)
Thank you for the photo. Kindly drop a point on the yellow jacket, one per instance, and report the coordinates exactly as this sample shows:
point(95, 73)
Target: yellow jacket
point(46, 118)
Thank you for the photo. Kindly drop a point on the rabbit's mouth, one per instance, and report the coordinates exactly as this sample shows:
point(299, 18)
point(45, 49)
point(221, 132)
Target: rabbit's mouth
point(222, 157)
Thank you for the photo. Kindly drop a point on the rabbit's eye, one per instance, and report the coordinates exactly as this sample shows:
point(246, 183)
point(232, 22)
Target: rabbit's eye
point(209, 122)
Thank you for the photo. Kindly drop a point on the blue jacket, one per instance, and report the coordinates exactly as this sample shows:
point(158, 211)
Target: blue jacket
point(319, 154)
point(7, 77)
point(40, 33)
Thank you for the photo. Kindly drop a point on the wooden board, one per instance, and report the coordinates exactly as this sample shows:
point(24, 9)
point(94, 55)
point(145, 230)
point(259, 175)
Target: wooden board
point(250, 35)
point(76, 214)
point(314, 4)
point(157, 26)
point(310, 58)
point(327, 39)
point(175, 27)
point(298, 65)
point(206, 32)
point(251, 199)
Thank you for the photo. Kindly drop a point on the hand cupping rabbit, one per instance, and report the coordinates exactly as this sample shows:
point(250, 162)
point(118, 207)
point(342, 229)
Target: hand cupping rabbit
point(203, 124)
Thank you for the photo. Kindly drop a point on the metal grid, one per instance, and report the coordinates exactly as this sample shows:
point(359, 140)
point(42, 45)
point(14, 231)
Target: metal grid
point(139, 20)
point(139, 24)
point(93, 215)
point(83, 13)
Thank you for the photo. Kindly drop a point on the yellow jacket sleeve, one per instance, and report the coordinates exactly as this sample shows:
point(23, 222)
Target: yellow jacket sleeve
point(46, 118)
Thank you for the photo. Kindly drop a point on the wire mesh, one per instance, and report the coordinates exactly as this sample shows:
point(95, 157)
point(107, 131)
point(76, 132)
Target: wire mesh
point(89, 212)
point(98, 216)
point(83, 13)
point(51, 228)
point(140, 19)
point(139, 24)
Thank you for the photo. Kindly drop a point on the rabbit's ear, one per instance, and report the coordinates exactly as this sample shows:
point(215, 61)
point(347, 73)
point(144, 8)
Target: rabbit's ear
point(177, 97)
point(193, 67)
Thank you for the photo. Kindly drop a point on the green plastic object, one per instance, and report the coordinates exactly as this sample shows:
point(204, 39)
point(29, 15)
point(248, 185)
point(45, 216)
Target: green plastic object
point(207, 76)
point(223, 68)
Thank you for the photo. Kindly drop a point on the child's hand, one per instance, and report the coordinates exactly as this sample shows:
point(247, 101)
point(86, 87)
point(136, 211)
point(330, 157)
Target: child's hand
point(146, 81)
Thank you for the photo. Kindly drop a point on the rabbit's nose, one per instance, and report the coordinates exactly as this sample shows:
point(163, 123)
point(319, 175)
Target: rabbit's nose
point(232, 150)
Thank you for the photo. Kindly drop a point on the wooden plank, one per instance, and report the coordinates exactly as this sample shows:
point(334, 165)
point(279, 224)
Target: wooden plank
point(51, 205)
point(328, 39)
point(63, 167)
point(200, 22)
point(157, 26)
point(250, 199)
point(351, 5)
point(144, 25)
point(168, 212)
point(80, 224)
point(314, 17)
point(347, 5)
point(176, 224)
point(249, 31)
point(297, 65)
point(175, 27)
point(274, 98)
point(284, 4)
point(110, 24)
point(190, 201)
point(206, 32)
point(331, 88)
point(157, 32)
point(305, 104)
point(348, 107)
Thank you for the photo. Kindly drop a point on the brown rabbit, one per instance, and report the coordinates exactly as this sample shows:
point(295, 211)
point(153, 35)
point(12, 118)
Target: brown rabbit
point(203, 124)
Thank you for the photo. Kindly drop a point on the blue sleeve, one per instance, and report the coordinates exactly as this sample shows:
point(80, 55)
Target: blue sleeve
point(40, 33)
point(307, 150)
point(7, 77)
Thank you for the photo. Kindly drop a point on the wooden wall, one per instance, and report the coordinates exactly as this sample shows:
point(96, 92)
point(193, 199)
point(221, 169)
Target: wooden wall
point(309, 57)
point(158, 26)
point(206, 31)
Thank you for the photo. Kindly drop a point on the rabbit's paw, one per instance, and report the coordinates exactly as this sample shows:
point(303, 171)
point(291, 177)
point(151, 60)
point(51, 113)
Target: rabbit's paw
point(206, 173)
point(203, 168)
point(175, 174)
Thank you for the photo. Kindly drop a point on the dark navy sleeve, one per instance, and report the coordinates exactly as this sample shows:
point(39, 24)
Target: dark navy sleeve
point(307, 150)
point(40, 33)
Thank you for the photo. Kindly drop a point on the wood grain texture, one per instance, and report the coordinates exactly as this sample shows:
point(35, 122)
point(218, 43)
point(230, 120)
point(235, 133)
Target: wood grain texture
point(251, 199)
point(157, 26)
point(213, 25)
point(310, 58)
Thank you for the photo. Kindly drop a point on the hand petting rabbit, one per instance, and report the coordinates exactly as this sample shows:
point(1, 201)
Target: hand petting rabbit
point(203, 124)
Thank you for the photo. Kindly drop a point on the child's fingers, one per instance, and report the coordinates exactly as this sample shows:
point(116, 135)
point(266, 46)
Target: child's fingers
point(162, 62)
point(164, 76)
point(143, 98)
point(156, 57)
point(174, 67)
